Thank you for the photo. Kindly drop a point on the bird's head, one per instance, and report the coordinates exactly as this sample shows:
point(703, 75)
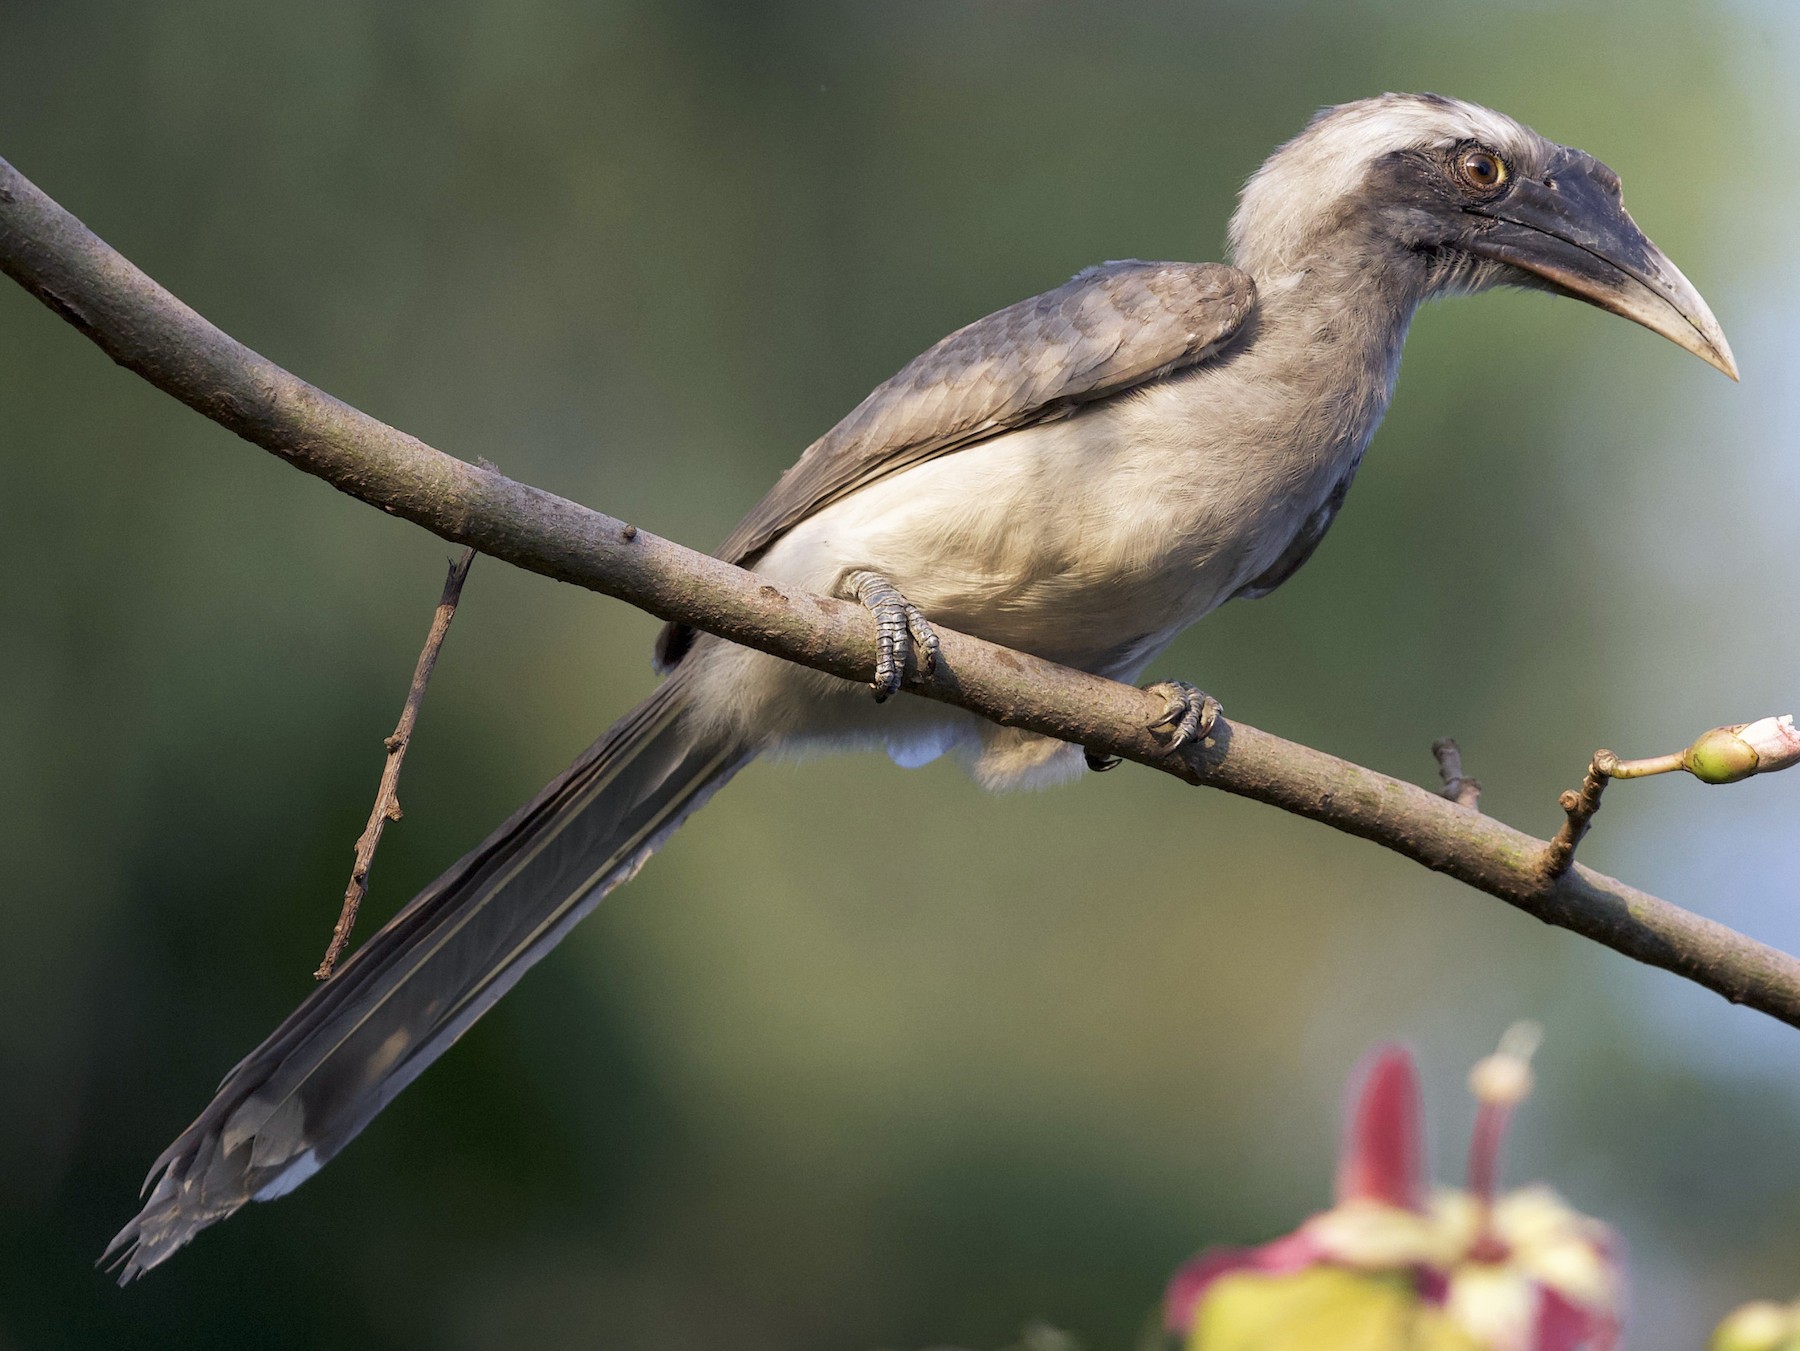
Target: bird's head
point(1433, 196)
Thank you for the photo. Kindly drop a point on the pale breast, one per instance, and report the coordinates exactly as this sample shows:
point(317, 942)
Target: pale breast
point(1062, 540)
point(1093, 540)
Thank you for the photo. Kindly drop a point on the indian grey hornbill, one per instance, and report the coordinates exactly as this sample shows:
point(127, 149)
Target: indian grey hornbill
point(1081, 476)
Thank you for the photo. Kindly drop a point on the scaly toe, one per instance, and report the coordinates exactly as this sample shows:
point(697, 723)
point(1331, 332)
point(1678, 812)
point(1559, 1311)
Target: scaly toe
point(899, 624)
point(924, 639)
point(1190, 714)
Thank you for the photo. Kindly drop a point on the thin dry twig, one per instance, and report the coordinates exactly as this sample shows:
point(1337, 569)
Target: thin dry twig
point(148, 331)
point(1458, 787)
point(387, 796)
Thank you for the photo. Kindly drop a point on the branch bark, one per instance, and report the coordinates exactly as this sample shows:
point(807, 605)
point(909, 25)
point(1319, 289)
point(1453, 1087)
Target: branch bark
point(148, 331)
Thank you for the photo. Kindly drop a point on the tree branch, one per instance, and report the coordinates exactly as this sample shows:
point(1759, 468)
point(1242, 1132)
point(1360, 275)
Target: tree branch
point(148, 331)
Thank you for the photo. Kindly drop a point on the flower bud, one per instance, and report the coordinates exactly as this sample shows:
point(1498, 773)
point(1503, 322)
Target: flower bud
point(1721, 756)
point(1776, 743)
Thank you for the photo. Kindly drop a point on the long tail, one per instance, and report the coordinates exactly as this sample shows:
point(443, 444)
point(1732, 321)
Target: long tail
point(418, 984)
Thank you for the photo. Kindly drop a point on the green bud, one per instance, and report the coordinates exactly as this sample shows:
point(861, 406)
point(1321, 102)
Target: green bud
point(1721, 756)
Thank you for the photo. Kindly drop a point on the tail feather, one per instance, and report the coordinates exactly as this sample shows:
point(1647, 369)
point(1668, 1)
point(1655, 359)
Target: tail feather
point(419, 983)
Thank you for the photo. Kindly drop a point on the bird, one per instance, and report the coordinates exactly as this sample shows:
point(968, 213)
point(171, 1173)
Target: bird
point(1080, 476)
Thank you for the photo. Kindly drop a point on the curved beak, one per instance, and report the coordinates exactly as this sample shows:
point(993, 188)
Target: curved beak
point(1570, 231)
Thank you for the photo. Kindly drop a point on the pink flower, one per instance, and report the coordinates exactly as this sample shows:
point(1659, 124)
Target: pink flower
point(1468, 1270)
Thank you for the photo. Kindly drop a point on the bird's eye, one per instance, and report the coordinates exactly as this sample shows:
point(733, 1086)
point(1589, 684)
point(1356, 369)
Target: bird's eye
point(1481, 169)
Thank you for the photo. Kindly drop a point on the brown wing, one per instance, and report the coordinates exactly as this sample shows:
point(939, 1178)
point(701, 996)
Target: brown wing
point(1109, 329)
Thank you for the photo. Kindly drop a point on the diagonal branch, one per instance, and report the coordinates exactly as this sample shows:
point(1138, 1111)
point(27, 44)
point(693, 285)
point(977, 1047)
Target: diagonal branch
point(148, 331)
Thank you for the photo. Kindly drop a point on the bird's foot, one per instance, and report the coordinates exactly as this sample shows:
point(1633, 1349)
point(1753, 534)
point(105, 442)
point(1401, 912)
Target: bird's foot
point(1189, 716)
point(1190, 713)
point(898, 624)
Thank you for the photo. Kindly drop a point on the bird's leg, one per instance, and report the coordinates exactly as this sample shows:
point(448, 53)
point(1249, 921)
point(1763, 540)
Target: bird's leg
point(1190, 715)
point(898, 622)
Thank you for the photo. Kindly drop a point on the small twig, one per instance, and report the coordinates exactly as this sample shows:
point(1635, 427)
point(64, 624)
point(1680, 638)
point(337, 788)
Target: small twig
point(1463, 791)
point(1579, 808)
point(387, 797)
point(1722, 755)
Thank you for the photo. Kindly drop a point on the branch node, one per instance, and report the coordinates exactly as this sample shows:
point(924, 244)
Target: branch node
point(1458, 787)
point(387, 798)
point(1578, 814)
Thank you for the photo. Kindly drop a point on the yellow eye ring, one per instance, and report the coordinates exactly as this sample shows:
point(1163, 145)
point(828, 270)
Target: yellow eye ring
point(1481, 169)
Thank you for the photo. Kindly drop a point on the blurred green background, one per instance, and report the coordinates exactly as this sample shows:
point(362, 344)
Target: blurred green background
point(641, 255)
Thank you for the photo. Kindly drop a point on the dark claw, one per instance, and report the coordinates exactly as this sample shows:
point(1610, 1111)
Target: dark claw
point(925, 639)
point(1191, 712)
point(1100, 763)
point(898, 623)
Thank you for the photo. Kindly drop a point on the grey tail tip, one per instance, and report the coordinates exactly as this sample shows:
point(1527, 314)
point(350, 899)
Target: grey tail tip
point(419, 983)
point(121, 1256)
point(131, 1253)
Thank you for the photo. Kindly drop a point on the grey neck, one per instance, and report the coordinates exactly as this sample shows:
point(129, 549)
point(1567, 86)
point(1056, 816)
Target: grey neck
point(1337, 325)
